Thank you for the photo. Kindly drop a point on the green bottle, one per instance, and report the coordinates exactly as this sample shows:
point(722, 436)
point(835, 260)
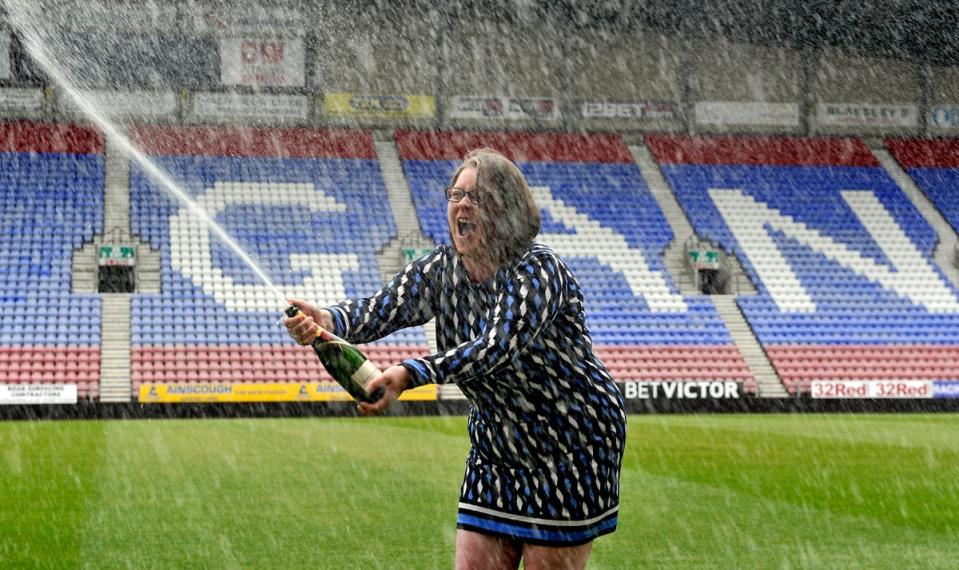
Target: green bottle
point(345, 363)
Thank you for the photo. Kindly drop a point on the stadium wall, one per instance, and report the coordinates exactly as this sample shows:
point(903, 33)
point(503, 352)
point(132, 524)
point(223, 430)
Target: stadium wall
point(864, 96)
point(97, 410)
point(520, 66)
point(353, 57)
point(744, 88)
point(943, 117)
point(477, 73)
point(627, 82)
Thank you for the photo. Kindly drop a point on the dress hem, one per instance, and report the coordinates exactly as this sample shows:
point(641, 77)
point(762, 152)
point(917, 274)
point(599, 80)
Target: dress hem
point(536, 533)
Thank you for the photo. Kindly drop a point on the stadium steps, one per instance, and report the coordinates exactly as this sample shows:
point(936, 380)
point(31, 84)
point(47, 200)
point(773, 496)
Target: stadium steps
point(116, 219)
point(675, 255)
point(116, 207)
point(148, 270)
point(408, 231)
point(115, 348)
point(116, 223)
point(947, 247)
point(83, 277)
point(767, 381)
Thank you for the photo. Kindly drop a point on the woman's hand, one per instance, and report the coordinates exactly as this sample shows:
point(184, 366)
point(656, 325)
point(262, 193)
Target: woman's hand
point(303, 326)
point(393, 380)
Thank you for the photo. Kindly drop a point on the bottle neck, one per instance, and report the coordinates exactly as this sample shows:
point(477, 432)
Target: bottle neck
point(326, 336)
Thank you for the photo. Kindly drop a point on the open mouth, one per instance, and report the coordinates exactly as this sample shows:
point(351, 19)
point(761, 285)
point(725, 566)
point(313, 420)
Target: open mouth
point(465, 227)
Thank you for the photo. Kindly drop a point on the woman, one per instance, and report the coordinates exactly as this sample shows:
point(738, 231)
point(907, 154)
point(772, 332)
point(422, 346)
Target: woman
point(546, 422)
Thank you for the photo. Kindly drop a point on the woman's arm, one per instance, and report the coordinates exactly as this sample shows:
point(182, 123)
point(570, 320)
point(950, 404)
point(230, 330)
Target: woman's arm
point(529, 299)
point(405, 301)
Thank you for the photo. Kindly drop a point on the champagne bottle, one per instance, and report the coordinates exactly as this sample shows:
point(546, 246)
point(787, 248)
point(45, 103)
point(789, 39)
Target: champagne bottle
point(345, 363)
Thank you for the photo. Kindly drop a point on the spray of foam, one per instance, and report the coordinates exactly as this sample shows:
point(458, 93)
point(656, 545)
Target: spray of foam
point(20, 21)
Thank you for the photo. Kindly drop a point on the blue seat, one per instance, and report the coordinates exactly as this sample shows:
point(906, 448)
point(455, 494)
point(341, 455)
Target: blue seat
point(849, 307)
point(265, 232)
point(616, 196)
point(67, 194)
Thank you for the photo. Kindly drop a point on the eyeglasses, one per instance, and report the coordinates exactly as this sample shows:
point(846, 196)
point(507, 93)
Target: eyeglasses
point(477, 197)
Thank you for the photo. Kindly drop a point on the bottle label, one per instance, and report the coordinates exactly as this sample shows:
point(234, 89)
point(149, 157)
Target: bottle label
point(366, 372)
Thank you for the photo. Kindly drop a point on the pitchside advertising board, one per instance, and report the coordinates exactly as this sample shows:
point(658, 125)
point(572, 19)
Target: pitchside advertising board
point(867, 115)
point(38, 394)
point(885, 389)
point(21, 99)
point(724, 113)
point(359, 105)
point(686, 390)
point(509, 108)
point(636, 110)
point(820, 389)
point(125, 104)
point(214, 392)
point(240, 107)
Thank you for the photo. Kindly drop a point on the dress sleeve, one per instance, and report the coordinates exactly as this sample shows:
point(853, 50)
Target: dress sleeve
point(405, 301)
point(529, 297)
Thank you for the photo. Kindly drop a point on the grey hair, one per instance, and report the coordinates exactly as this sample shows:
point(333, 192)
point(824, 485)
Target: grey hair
point(511, 217)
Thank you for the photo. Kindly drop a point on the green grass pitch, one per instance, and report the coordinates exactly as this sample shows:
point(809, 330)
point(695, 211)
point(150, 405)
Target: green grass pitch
point(803, 491)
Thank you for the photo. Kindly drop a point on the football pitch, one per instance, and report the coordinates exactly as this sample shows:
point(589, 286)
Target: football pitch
point(736, 491)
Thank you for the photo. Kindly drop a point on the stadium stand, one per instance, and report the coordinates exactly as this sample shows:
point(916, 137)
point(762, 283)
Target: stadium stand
point(51, 199)
point(848, 287)
point(309, 206)
point(600, 216)
point(934, 166)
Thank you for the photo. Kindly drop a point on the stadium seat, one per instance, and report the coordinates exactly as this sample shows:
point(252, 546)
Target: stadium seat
point(934, 165)
point(602, 219)
point(283, 194)
point(848, 287)
point(51, 199)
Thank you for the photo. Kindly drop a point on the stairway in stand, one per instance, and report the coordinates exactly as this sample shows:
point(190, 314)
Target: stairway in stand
point(767, 381)
point(408, 232)
point(115, 348)
point(948, 244)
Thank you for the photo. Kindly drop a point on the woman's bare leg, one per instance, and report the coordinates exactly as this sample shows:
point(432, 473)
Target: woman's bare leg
point(554, 557)
point(475, 551)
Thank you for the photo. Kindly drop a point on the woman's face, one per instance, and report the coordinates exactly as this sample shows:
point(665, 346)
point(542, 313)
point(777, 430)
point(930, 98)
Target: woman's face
point(466, 223)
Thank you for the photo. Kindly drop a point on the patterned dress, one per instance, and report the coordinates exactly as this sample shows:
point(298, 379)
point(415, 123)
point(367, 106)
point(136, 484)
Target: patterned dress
point(546, 422)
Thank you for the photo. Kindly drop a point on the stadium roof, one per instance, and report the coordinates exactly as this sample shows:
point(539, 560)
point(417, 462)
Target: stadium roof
point(919, 30)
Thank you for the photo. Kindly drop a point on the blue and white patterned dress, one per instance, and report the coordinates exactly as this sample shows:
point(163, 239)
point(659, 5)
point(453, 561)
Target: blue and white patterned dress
point(546, 422)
